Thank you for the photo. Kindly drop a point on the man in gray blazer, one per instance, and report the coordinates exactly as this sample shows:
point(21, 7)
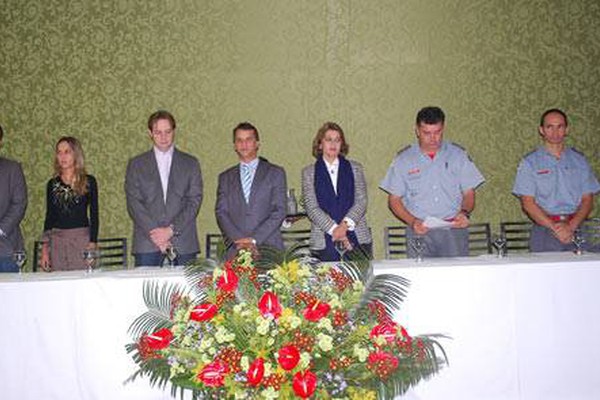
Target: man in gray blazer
point(13, 202)
point(251, 197)
point(164, 193)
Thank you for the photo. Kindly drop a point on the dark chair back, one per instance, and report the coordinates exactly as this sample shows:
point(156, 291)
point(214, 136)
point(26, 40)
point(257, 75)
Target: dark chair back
point(113, 253)
point(299, 237)
point(394, 242)
point(517, 235)
point(480, 239)
point(214, 242)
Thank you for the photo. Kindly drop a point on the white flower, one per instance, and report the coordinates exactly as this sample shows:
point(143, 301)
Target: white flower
point(268, 369)
point(325, 342)
point(270, 394)
point(262, 325)
point(334, 301)
point(325, 324)
point(360, 352)
point(223, 335)
point(305, 360)
point(245, 363)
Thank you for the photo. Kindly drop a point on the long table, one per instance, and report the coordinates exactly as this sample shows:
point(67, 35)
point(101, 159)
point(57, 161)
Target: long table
point(521, 328)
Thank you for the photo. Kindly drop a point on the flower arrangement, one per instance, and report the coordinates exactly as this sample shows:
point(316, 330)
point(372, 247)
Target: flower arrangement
point(290, 329)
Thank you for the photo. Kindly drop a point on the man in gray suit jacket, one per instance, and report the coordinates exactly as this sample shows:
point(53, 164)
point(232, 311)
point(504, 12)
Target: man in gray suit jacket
point(164, 193)
point(13, 202)
point(251, 197)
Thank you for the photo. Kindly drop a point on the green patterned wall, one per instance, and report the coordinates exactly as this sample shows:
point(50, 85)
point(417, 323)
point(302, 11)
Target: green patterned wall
point(97, 69)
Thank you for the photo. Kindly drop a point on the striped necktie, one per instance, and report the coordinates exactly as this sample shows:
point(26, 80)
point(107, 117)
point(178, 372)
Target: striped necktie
point(246, 181)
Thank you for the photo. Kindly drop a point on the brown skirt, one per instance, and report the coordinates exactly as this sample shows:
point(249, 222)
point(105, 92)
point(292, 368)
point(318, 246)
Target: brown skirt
point(66, 248)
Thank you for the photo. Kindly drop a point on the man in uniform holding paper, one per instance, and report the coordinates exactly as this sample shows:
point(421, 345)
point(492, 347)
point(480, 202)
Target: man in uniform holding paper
point(431, 187)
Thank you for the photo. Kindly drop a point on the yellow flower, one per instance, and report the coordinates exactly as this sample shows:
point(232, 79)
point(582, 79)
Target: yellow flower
point(361, 394)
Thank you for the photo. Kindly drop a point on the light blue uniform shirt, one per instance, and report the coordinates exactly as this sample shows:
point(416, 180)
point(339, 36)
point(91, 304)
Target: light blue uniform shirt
point(556, 184)
point(432, 187)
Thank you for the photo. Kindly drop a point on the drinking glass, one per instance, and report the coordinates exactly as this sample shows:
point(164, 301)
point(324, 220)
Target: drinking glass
point(340, 247)
point(499, 244)
point(418, 245)
point(90, 256)
point(578, 241)
point(20, 257)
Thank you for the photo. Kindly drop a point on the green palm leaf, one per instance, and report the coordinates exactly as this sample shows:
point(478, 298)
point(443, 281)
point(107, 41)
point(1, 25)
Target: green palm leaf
point(158, 298)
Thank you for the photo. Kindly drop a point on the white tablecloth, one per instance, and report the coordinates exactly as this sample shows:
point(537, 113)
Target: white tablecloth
point(522, 328)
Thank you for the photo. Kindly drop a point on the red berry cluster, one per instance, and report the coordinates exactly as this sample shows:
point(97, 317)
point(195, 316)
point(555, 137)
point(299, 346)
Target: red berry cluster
point(230, 356)
point(222, 297)
point(340, 318)
point(341, 363)
point(303, 341)
point(379, 310)
point(305, 297)
point(341, 280)
point(145, 350)
point(274, 380)
point(175, 301)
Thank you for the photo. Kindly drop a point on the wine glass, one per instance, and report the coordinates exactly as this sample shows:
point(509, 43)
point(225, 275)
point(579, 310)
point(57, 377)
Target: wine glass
point(499, 244)
point(578, 241)
point(20, 257)
point(170, 255)
point(418, 246)
point(340, 247)
point(89, 257)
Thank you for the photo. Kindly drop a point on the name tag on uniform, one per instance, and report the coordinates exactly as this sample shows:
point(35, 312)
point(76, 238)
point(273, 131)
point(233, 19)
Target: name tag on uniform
point(414, 171)
point(543, 171)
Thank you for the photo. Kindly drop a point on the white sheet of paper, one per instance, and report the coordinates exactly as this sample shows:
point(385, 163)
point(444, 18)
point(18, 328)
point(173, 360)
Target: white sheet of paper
point(436, 223)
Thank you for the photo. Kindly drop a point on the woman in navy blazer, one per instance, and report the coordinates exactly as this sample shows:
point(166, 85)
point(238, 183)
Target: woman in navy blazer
point(335, 197)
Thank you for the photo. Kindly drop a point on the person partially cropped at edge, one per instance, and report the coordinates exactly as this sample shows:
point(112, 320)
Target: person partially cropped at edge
point(13, 203)
point(556, 186)
point(251, 197)
point(335, 197)
point(433, 178)
point(163, 187)
point(71, 224)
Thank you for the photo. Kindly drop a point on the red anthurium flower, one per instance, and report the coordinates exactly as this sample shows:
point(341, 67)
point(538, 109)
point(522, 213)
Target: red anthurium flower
point(159, 339)
point(256, 372)
point(269, 305)
point(228, 282)
point(213, 374)
point(404, 333)
point(304, 384)
point(315, 311)
point(288, 357)
point(204, 312)
point(387, 329)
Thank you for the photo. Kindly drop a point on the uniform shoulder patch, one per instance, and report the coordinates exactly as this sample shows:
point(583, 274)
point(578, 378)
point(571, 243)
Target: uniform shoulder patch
point(403, 150)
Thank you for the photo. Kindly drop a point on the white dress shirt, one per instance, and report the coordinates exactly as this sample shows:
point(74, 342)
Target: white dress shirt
point(163, 161)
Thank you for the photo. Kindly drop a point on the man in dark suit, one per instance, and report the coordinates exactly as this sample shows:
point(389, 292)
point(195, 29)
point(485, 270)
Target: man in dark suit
point(164, 192)
point(13, 202)
point(251, 196)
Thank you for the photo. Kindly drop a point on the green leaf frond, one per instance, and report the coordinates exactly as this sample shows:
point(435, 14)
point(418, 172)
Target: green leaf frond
point(271, 257)
point(389, 290)
point(158, 298)
point(195, 271)
point(412, 371)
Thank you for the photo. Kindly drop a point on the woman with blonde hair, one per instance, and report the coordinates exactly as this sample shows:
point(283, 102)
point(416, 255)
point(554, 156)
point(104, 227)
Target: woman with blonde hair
point(335, 197)
point(71, 224)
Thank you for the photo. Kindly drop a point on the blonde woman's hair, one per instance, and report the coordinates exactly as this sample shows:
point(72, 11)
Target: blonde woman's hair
point(79, 184)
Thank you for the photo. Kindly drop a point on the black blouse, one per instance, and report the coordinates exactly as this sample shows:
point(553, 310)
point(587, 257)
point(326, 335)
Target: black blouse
point(65, 209)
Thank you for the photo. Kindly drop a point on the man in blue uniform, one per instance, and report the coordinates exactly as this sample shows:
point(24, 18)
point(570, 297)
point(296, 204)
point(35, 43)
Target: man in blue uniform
point(432, 183)
point(556, 186)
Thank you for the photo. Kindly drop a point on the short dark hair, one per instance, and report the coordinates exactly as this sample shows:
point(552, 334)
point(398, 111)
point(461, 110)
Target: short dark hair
point(1, 132)
point(246, 126)
point(430, 116)
point(554, 111)
point(161, 114)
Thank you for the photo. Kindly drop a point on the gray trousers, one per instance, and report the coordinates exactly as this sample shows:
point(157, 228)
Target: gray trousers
point(542, 239)
point(452, 242)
